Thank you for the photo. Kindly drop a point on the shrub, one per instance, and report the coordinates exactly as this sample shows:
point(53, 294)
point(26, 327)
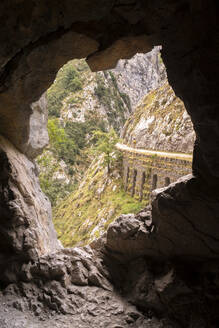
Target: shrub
point(105, 145)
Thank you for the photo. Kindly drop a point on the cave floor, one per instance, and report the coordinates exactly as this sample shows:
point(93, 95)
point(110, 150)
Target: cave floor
point(10, 317)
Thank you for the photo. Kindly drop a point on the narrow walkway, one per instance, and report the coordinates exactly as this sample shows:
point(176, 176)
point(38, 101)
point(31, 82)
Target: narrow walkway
point(182, 156)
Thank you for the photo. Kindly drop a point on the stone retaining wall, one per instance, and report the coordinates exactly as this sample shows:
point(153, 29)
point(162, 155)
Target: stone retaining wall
point(144, 173)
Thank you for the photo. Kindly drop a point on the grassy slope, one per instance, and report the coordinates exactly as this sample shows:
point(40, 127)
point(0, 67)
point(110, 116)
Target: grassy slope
point(160, 103)
point(86, 214)
point(66, 155)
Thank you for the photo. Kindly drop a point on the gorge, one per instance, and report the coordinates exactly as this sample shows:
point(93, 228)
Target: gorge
point(158, 268)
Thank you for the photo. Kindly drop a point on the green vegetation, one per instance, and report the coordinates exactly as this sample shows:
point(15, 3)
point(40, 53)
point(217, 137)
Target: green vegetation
point(87, 213)
point(63, 147)
point(76, 136)
point(66, 144)
point(105, 144)
point(110, 96)
point(67, 80)
point(54, 189)
point(70, 140)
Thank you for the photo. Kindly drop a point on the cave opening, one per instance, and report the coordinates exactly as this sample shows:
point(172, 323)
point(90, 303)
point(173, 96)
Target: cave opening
point(89, 114)
point(86, 115)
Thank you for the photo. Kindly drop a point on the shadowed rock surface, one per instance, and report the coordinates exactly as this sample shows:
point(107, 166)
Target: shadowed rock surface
point(38, 136)
point(175, 228)
point(26, 230)
point(141, 274)
point(180, 281)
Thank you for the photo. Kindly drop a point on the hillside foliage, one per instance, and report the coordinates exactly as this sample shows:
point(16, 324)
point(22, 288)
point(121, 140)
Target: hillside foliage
point(86, 112)
point(67, 80)
point(86, 213)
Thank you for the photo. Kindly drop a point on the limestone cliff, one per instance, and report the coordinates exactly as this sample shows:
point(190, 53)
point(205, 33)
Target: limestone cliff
point(91, 92)
point(160, 122)
point(141, 74)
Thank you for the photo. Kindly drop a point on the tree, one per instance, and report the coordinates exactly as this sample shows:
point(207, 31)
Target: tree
point(61, 145)
point(105, 144)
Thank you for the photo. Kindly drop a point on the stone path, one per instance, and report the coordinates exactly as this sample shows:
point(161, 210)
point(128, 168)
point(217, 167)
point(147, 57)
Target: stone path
point(182, 156)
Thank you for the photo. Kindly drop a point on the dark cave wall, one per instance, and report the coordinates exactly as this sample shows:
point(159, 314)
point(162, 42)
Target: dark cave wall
point(40, 37)
point(182, 227)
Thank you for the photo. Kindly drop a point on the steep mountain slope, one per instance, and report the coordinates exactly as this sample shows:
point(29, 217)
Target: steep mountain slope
point(160, 122)
point(99, 200)
point(140, 75)
point(77, 92)
point(80, 102)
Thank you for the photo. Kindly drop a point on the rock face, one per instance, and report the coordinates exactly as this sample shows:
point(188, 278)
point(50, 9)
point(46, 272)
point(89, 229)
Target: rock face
point(141, 74)
point(160, 122)
point(38, 136)
point(169, 232)
point(27, 231)
point(134, 266)
point(74, 283)
point(98, 97)
point(16, 104)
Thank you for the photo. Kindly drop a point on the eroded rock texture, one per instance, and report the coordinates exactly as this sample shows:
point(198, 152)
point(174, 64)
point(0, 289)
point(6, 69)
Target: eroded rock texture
point(140, 75)
point(160, 122)
point(183, 224)
point(75, 283)
point(38, 134)
point(37, 38)
point(26, 230)
point(129, 278)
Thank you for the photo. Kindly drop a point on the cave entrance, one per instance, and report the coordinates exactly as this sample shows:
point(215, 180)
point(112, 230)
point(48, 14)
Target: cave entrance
point(81, 170)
